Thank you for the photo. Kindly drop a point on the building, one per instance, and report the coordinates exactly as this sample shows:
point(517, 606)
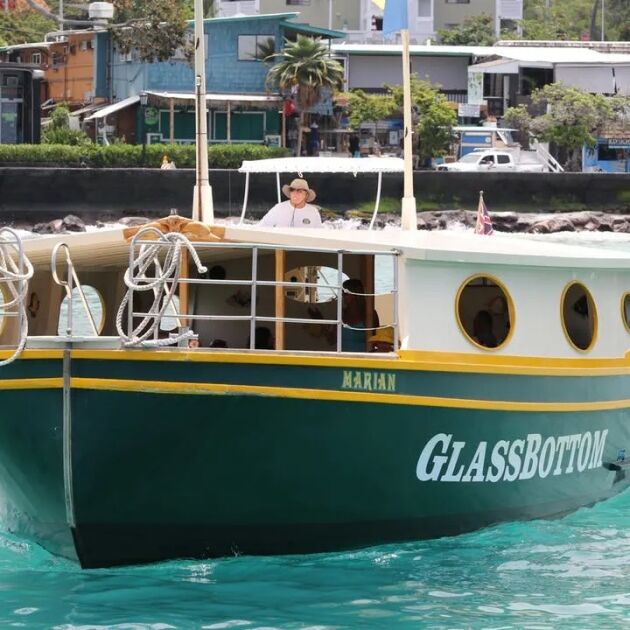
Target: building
point(67, 62)
point(362, 20)
point(19, 104)
point(154, 102)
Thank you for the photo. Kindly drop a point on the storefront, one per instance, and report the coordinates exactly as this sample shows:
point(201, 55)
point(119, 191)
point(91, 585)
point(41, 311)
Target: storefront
point(19, 105)
point(611, 154)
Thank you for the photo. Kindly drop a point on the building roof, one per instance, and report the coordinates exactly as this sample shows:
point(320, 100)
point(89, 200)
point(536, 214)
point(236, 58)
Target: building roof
point(531, 54)
point(314, 30)
point(114, 107)
point(260, 100)
point(45, 45)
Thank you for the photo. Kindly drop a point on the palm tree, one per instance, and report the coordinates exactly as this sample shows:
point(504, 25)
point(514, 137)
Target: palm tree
point(306, 66)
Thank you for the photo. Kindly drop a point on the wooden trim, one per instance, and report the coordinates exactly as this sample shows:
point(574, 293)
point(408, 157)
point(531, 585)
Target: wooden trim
point(280, 304)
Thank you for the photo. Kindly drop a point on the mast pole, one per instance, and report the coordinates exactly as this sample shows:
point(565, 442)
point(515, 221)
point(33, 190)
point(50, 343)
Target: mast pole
point(203, 209)
point(409, 219)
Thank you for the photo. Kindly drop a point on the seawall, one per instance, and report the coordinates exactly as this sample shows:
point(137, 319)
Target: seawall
point(39, 194)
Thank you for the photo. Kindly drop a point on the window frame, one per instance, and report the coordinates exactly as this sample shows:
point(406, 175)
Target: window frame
point(510, 306)
point(589, 296)
point(256, 36)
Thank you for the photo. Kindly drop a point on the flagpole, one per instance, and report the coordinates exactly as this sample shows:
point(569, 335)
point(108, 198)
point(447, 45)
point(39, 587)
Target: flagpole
point(203, 209)
point(409, 218)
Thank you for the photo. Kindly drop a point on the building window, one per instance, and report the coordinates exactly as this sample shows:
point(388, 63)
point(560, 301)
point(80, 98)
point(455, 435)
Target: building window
point(255, 47)
point(36, 58)
point(424, 8)
point(298, 2)
point(457, 1)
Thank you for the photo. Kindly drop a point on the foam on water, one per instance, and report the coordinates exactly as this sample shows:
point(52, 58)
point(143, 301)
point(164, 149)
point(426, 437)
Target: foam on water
point(540, 575)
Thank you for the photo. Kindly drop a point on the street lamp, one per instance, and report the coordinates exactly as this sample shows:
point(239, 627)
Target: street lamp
point(144, 99)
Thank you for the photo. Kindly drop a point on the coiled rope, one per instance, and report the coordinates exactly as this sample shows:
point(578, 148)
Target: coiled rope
point(163, 284)
point(15, 275)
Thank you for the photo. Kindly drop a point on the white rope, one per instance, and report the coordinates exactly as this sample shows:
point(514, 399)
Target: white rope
point(16, 277)
point(163, 285)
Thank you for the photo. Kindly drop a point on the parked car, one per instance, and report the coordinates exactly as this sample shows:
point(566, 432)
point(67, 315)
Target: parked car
point(483, 160)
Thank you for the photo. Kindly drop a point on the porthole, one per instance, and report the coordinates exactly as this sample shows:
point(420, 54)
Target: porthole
point(625, 310)
point(579, 316)
point(485, 312)
point(81, 326)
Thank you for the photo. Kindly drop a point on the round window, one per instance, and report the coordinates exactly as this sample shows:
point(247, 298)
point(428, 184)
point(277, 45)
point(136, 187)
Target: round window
point(485, 312)
point(625, 310)
point(579, 316)
point(81, 326)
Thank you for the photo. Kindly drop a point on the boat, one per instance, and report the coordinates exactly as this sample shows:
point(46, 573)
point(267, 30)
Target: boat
point(169, 426)
point(131, 447)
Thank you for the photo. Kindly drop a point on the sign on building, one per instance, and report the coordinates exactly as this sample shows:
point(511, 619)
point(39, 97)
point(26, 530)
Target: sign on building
point(510, 9)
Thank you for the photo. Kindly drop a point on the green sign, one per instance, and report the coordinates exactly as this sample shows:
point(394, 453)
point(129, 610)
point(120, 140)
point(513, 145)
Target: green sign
point(151, 116)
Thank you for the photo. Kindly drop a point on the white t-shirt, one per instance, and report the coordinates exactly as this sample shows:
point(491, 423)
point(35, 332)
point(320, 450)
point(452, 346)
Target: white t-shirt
point(285, 215)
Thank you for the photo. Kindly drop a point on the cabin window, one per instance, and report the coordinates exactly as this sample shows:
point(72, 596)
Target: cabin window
point(625, 310)
point(323, 277)
point(579, 316)
point(485, 312)
point(81, 326)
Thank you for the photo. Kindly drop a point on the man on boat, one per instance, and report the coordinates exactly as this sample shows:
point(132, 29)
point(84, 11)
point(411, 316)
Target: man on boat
point(297, 211)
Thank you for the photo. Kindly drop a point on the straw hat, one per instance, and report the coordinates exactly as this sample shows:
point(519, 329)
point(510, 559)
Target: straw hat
point(383, 335)
point(300, 184)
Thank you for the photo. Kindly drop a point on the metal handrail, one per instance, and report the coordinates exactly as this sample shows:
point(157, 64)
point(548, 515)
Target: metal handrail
point(72, 279)
point(255, 282)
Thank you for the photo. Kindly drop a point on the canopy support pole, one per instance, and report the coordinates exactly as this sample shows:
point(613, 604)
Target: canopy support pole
point(245, 198)
point(378, 199)
point(280, 310)
point(278, 187)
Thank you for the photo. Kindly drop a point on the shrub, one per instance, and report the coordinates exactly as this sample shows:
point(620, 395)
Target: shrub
point(131, 155)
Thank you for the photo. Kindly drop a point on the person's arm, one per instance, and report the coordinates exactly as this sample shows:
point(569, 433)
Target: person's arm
point(270, 219)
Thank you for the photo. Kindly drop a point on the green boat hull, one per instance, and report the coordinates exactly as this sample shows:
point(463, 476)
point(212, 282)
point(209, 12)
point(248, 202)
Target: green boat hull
point(211, 459)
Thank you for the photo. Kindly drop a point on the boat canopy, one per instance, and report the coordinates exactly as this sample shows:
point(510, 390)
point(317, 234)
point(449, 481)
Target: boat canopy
point(324, 165)
point(300, 165)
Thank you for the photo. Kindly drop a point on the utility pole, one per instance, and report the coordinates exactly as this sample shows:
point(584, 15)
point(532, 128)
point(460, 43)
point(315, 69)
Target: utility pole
point(61, 15)
point(330, 14)
point(603, 21)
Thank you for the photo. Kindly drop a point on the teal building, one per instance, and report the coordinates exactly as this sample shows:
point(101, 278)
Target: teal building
point(154, 102)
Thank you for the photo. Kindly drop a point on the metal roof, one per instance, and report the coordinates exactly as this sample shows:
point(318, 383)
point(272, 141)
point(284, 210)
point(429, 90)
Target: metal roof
point(114, 107)
point(314, 30)
point(532, 54)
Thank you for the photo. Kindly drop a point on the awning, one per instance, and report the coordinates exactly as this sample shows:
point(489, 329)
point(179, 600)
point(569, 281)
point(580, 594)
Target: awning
point(114, 107)
point(324, 165)
point(186, 98)
point(88, 109)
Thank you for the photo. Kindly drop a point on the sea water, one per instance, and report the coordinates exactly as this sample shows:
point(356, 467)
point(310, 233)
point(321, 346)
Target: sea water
point(567, 573)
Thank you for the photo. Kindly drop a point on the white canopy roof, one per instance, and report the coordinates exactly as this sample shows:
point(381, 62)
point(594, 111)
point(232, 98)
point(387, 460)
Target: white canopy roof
point(324, 165)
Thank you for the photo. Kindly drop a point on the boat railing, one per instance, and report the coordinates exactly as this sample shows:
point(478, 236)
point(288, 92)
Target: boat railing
point(71, 282)
point(138, 275)
point(15, 272)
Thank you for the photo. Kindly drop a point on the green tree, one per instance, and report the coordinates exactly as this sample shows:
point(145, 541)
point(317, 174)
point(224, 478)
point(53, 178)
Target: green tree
point(573, 118)
point(22, 26)
point(155, 28)
point(435, 118)
point(473, 31)
point(364, 107)
point(58, 130)
point(305, 66)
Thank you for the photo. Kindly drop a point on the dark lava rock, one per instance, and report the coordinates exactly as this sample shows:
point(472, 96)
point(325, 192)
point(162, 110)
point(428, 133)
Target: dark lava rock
point(134, 221)
point(72, 223)
point(50, 227)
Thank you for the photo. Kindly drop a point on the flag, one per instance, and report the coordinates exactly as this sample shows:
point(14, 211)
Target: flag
point(484, 222)
point(394, 16)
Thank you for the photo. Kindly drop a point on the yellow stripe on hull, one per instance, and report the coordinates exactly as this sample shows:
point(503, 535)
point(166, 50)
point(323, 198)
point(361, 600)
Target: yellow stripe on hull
point(31, 383)
point(159, 387)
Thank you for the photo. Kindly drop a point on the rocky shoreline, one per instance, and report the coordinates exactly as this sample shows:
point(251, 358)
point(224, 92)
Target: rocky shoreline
point(528, 223)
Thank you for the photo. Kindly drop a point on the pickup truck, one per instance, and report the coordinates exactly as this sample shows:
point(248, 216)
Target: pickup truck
point(493, 160)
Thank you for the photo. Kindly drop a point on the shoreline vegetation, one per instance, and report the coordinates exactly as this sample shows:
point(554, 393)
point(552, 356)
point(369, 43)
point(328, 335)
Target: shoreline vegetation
point(120, 155)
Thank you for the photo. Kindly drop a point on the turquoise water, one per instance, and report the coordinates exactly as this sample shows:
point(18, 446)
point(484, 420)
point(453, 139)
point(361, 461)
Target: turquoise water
point(569, 573)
